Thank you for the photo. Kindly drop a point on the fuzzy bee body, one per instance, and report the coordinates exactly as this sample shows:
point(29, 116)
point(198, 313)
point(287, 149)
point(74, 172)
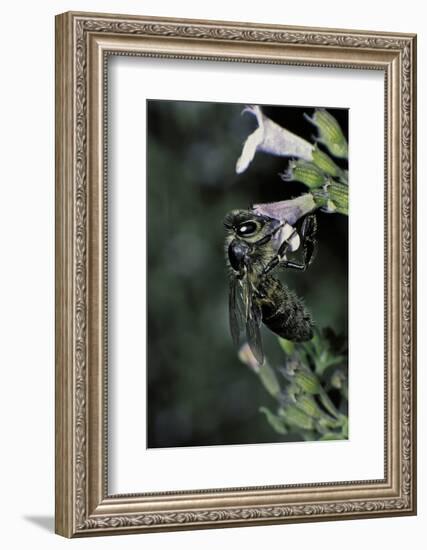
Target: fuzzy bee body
point(256, 245)
point(283, 312)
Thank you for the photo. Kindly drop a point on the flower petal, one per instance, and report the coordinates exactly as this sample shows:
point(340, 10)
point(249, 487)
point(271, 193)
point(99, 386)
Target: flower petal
point(249, 149)
point(289, 211)
point(280, 142)
point(271, 138)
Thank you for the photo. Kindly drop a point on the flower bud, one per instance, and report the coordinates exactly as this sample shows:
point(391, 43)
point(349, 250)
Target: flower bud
point(326, 164)
point(269, 379)
point(308, 405)
point(307, 381)
point(305, 172)
point(295, 417)
point(330, 133)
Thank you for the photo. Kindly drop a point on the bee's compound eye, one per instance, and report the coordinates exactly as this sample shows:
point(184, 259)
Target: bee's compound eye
point(247, 229)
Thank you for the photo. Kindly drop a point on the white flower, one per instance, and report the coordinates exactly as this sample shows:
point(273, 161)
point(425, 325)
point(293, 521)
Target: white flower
point(271, 138)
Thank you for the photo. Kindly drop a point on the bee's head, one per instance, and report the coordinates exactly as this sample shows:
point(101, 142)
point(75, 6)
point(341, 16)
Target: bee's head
point(249, 227)
point(238, 252)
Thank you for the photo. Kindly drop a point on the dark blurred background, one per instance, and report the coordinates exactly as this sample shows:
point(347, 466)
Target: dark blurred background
point(198, 391)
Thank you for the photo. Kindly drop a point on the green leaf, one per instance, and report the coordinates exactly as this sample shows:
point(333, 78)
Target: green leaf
point(274, 421)
point(330, 436)
point(327, 403)
point(344, 427)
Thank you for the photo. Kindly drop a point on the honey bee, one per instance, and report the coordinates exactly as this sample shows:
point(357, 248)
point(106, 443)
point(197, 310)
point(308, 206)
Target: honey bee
point(256, 245)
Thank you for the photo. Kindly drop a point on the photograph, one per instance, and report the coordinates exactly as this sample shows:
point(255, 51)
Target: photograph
point(247, 273)
point(235, 331)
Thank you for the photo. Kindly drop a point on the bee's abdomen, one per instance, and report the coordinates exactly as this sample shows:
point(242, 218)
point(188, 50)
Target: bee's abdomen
point(284, 313)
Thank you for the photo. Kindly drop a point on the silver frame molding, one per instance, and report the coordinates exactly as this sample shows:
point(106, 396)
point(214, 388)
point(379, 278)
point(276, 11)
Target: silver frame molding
point(83, 43)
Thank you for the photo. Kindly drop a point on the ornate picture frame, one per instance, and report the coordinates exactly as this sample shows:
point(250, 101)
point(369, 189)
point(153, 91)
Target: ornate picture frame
point(84, 42)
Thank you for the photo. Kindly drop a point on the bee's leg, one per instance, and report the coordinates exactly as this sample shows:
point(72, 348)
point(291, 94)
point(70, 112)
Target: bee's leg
point(309, 242)
point(271, 265)
point(269, 235)
point(279, 258)
point(294, 265)
point(308, 237)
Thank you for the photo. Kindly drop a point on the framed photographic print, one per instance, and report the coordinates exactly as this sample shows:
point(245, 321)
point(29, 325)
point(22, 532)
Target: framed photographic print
point(235, 274)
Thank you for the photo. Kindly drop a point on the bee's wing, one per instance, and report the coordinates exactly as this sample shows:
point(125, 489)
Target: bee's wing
point(245, 314)
point(236, 310)
point(253, 327)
